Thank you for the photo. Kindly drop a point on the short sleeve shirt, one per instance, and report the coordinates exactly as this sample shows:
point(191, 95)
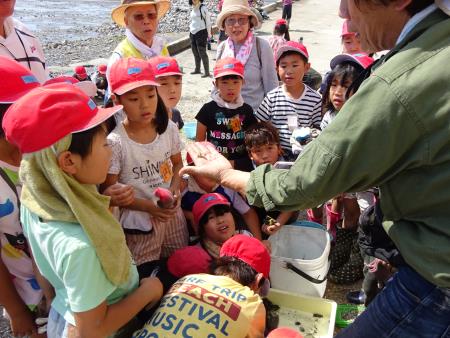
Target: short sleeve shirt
point(203, 305)
point(226, 127)
point(143, 166)
point(15, 252)
point(66, 258)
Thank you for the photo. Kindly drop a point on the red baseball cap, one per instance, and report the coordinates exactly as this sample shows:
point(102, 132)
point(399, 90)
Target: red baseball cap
point(284, 332)
point(88, 87)
point(16, 80)
point(249, 250)
point(361, 59)
point(129, 73)
point(81, 72)
point(228, 66)
point(205, 202)
point(47, 114)
point(165, 66)
point(346, 30)
point(188, 260)
point(102, 69)
point(280, 22)
point(293, 46)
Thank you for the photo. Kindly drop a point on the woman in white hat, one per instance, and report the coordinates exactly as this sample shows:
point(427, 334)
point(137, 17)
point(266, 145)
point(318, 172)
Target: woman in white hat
point(238, 21)
point(140, 18)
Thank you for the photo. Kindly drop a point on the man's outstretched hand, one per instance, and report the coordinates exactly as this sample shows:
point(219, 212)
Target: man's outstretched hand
point(208, 161)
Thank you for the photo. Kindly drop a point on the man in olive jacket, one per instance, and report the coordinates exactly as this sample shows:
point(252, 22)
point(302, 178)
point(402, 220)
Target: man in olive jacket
point(393, 133)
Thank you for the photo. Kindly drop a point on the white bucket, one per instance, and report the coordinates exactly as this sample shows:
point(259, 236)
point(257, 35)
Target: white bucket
point(300, 248)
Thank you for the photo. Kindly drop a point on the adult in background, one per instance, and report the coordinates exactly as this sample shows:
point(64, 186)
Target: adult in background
point(400, 142)
point(199, 33)
point(239, 21)
point(140, 18)
point(18, 43)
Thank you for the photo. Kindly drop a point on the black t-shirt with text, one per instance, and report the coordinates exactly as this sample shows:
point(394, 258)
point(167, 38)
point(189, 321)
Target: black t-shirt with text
point(226, 128)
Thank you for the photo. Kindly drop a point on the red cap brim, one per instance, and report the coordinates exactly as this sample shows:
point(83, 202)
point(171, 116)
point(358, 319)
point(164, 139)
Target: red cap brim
point(133, 85)
point(169, 74)
point(102, 115)
point(228, 72)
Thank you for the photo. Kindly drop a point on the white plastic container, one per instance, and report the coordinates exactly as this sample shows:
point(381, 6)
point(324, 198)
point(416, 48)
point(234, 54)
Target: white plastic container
point(300, 248)
point(312, 317)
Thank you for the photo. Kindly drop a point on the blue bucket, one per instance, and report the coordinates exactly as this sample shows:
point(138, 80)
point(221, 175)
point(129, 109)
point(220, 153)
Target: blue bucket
point(190, 129)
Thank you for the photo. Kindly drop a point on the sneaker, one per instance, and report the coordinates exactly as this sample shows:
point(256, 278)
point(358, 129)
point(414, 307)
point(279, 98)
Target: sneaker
point(205, 75)
point(195, 72)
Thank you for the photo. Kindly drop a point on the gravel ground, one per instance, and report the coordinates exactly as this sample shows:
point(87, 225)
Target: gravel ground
point(64, 49)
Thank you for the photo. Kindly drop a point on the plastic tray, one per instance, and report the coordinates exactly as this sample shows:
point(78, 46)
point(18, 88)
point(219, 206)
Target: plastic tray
point(311, 316)
point(342, 309)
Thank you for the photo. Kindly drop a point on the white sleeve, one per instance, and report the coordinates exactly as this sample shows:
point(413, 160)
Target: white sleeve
point(237, 201)
point(175, 139)
point(115, 166)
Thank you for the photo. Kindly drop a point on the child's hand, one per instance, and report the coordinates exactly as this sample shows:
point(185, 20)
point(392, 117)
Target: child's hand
point(271, 229)
point(177, 197)
point(22, 323)
point(121, 194)
point(160, 214)
point(270, 226)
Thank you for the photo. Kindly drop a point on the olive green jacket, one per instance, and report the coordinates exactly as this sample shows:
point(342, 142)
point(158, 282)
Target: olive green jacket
point(393, 133)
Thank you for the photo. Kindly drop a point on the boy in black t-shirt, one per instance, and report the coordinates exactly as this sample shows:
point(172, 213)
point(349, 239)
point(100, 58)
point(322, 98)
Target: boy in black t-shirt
point(223, 120)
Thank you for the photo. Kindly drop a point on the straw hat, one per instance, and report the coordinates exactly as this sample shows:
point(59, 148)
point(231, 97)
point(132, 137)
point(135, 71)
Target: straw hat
point(118, 13)
point(241, 7)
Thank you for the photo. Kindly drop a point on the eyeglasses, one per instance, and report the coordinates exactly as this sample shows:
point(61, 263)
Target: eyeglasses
point(141, 17)
point(233, 21)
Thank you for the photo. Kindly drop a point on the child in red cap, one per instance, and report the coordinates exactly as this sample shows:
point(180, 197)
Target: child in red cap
point(224, 304)
point(216, 222)
point(76, 242)
point(20, 294)
point(279, 36)
point(81, 74)
point(170, 79)
point(223, 120)
point(293, 104)
point(350, 40)
point(195, 186)
point(344, 210)
point(146, 155)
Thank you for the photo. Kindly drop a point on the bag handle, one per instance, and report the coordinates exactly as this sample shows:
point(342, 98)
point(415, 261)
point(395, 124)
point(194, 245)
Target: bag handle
point(293, 268)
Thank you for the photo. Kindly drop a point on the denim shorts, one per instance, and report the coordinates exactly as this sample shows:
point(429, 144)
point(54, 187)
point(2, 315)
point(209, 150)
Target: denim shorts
point(57, 325)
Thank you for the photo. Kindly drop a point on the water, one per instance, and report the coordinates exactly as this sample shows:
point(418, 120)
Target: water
point(58, 20)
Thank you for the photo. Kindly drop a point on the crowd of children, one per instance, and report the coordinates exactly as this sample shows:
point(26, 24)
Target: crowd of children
point(155, 226)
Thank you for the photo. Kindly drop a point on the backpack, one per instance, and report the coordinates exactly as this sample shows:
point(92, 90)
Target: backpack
point(258, 50)
point(201, 14)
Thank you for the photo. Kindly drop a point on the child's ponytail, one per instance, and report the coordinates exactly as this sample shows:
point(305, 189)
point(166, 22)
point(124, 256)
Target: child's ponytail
point(161, 117)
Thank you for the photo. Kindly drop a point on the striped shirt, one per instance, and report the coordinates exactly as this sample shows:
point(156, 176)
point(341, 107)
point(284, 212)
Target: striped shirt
point(277, 106)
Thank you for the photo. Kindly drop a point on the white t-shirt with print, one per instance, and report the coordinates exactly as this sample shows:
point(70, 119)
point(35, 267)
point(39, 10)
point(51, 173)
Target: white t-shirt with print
point(143, 166)
point(13, 245)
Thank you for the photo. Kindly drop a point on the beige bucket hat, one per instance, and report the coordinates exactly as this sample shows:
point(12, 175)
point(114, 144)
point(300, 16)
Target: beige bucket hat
point(118, 13)
point(241, 7)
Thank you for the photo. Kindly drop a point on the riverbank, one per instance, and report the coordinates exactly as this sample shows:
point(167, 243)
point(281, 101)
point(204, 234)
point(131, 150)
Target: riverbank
point(75, 33)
